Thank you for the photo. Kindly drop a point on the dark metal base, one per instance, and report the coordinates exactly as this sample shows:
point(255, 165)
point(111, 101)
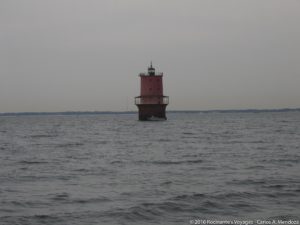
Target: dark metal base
point(149, 112)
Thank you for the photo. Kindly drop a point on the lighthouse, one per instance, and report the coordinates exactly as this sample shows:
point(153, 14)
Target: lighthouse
point(151, 102)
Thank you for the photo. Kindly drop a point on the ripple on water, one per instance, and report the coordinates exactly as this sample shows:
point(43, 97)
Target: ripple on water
point(171, 162)
point(43, 136)
point(30, 162)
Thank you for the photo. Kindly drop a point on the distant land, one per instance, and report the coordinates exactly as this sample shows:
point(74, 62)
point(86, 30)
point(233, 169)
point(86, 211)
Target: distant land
point(134, 112)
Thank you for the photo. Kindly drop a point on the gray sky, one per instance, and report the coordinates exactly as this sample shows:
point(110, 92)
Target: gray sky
point(62, 55)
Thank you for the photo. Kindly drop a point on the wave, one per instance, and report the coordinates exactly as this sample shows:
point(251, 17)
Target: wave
point(189, 204)
point(246, 182)
point(43, 135)
point(61, 197)
point(90, 200)
point(66, 145)
point(283, 159)
point(66, 198)
point(220, 196)
point(34, 219)
point(32, 162)
point(171, 162)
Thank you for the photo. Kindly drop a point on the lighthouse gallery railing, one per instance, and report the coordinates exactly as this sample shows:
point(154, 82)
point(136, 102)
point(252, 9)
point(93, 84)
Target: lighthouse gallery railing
point(148, 100)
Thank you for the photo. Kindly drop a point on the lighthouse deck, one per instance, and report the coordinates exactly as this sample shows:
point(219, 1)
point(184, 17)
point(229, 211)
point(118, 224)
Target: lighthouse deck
point(152, 100)
point(147, 74)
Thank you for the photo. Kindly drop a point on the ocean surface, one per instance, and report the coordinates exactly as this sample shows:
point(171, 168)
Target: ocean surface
point(112, 169)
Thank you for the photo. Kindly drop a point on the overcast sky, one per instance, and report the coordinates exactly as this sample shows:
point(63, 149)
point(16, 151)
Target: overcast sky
point(63, 55)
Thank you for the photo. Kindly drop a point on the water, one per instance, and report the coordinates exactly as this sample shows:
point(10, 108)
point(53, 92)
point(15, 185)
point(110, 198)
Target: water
point(113, 169)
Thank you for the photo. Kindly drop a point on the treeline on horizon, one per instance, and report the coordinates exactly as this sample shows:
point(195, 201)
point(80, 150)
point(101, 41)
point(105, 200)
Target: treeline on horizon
point(133, 112)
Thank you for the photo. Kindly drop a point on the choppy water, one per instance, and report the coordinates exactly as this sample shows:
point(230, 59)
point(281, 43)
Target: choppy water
point(112, 169)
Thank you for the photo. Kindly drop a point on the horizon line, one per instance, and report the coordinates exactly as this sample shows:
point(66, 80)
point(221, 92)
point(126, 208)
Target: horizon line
point(133, 111)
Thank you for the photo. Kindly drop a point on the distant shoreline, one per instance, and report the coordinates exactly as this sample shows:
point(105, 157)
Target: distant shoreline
point(134, 112)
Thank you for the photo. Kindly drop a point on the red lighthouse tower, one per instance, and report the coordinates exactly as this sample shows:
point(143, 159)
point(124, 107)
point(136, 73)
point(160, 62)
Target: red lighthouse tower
point(151, 103)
